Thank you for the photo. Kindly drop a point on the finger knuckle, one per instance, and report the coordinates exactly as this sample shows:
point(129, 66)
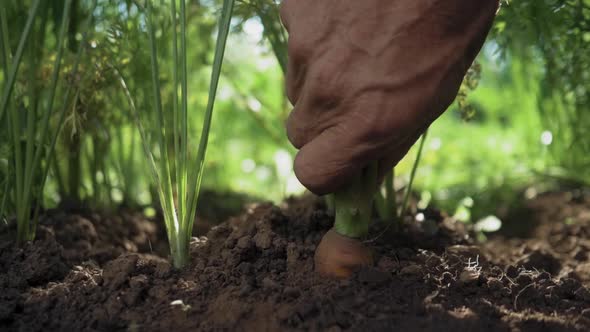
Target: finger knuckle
point(296, 132)
point(326, 93)
point(373, 119)
point(295, 137)
point(298, 48)
point(378, 129)
point(308, 173)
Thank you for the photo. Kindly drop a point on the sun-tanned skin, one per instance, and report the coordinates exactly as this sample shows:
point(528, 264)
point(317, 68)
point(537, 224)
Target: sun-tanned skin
point(367, 77)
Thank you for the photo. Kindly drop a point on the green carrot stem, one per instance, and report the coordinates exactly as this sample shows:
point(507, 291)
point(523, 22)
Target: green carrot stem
point(406, 200)
point(390, 195)
point(354, 204)
point(329, 199)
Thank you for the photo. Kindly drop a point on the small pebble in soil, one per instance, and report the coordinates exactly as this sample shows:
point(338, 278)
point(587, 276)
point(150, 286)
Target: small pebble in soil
point(293, 254)
point(469, 276)
point(307, 309)
point(411, 270)
point(180, 304)
point(162, 269)
point(139, 281)
point(245, 290)
point(230, 242)
point(116, 272)
point(540, 260)
point(291, 292)
point(582, 294)
point(245, 268)
point(270, 284)
point(386, 264)
point(244, 242)
point(263, 240)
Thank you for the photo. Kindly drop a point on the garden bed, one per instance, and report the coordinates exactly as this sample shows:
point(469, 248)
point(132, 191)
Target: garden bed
point(254, 272)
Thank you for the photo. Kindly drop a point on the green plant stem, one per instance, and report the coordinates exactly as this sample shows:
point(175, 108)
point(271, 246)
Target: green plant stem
point(184, 219)
point(179, 216)
point(60, 122)
point(4, 200)
point(74, 168)
point(178, 145)
point(21, 222)
point(30, 160)
point(413, 175)
point(11, 77)
point(354, 204)
point(390, 194)
point(57, 174)
point(164, 179)
point(4, 41)
point(330, 203)
point(386, 202)
point(195, 181)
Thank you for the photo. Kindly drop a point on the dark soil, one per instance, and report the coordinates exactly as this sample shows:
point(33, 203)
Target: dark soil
point(255, 272)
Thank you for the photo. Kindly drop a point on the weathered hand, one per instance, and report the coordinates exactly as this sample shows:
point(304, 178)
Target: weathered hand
point(367, 78)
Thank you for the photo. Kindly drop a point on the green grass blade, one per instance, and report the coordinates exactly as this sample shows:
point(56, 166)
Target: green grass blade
point(180, 174)
point(32, 164)
point(386, 202)
point(196, 178)
point(142, 131)
point(55, 134)
point(4, 200)
point(4, 40)
point(6, 57)
point(14, 120)
point(148, 154)
point(30, 140)
point(161, 128)
point(413, 175)
point(167, 199)
point(184, 109)
point(390, 194)
point(17, 59)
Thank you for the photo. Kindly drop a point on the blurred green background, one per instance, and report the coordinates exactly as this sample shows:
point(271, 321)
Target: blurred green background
point(522, 131)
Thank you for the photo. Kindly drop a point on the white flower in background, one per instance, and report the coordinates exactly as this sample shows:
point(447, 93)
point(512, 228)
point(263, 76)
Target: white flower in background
point(435, 143)
point(253, 29)
point(546, 138)
point(488, 224)
point(420, 217)
point(248, 165)
point(254, 104)
point(263, 173)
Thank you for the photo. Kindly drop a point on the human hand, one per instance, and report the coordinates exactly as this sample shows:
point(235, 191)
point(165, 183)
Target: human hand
point(367, 78)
